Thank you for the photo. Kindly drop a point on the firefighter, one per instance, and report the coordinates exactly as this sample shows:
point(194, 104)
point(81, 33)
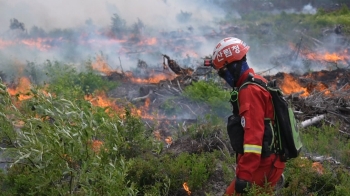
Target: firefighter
point(257, 160)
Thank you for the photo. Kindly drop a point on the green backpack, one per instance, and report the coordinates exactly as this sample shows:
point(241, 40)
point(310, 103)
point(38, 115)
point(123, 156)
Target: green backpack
point(286, 130)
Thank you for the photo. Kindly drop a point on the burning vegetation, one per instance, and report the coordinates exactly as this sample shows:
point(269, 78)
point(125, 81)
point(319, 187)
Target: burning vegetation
point(145, 117)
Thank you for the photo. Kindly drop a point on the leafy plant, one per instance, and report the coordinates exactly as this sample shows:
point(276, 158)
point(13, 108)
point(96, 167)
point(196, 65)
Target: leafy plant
point(211, 94)
point(327, 140)
point(66, 81)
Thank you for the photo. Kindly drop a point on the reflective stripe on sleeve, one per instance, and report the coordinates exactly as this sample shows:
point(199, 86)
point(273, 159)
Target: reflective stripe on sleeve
point(252, 148)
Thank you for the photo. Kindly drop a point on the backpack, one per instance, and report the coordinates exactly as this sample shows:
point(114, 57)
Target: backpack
point(288, 143)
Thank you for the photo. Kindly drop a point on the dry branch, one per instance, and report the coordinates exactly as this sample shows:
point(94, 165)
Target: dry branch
point(142, 98)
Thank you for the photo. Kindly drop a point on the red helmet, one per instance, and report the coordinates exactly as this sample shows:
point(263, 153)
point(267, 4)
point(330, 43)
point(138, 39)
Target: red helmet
point(228, 50)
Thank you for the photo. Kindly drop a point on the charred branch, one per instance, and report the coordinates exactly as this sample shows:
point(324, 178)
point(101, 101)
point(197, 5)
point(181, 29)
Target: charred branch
point(172, 64)
point(142, 98)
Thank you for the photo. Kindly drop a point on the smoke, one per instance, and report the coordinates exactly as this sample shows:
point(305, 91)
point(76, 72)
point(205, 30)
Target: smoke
point(124, 31)
point(80, 28)
point(308, 9)
point(51, 14)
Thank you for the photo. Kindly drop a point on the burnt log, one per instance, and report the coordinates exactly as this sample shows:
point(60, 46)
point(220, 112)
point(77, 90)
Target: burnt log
point(176, 67)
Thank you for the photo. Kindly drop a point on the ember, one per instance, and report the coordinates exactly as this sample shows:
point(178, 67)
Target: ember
point(187, 189)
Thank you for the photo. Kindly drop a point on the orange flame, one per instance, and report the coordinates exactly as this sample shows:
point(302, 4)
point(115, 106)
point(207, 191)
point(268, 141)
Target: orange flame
point(101, 65)
point(187, 189)
point(343, 56)
point(317, 166)
point(5, 43)
point(169, 140)
point(149, 41)
point(153, 78)
point(332, 57)
point(22, 89)
point(290, 85)
point(37, 43)
point(101, 100)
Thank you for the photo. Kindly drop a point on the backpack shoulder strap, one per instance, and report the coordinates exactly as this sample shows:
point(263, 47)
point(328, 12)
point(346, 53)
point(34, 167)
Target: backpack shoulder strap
point(251, 80)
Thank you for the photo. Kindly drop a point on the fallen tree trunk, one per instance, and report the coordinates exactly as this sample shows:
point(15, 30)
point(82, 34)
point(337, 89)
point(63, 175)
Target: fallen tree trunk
point(312, 121)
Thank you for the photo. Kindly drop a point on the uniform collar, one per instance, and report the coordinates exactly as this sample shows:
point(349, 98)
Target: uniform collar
point(244, 76)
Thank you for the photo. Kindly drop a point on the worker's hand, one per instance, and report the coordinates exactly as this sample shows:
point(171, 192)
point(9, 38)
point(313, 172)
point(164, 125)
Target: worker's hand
point(241, 186)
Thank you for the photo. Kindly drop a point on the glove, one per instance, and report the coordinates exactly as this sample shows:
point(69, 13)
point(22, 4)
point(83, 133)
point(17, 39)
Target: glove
point(241, 186)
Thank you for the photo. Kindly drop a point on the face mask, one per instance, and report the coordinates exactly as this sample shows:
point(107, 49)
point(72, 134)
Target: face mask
point(227, 76)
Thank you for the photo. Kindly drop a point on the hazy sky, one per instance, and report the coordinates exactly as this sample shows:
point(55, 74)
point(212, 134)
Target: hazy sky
point(49, 14)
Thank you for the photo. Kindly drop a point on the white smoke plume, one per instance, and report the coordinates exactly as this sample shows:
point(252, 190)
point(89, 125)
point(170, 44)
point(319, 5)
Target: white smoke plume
point(93, 17)
point(75, 30)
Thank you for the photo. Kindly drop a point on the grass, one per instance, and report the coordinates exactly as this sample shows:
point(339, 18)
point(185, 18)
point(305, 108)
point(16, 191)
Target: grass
point(327, 140)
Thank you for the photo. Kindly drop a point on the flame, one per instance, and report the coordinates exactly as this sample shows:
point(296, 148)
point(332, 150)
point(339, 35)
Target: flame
point(22, 90)
point(187, 189)
point(317, 166)
point(323, 88)
point(327, 56)
point(101, 65)
point(39, 43)
point(169, 140)
point(4, 43)
point(43, 44)
point(147, 102)
point(290, 85)
point(102, 100)
point(152, 78)
point(149, 41)
point(323, 55)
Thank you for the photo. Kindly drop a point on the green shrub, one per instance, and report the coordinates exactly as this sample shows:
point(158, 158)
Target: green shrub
point(326, 140)
point(211, 94)
point(303, 179)
point(53, 152)
point(66, 81)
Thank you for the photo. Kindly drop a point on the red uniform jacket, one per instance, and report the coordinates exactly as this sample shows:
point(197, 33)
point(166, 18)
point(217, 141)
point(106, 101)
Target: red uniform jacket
point(255, 104)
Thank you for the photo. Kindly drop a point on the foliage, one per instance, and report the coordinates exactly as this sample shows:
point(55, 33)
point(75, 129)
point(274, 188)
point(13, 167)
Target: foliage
point(210, 93)
point(205, 127)
point(267, 29)
point(56, 146)
point(150, 172)
point(56, 143)
point(327, 140)
point(303, 179)
point(68, 82)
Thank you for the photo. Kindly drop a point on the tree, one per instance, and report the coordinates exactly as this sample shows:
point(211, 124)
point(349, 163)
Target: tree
point(118, 25)
point(15, 24)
